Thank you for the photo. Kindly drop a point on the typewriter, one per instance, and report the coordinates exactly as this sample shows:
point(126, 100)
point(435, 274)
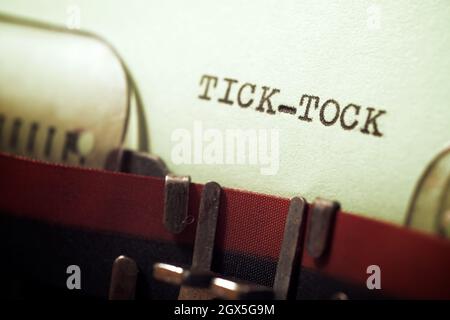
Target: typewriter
point(292, 150)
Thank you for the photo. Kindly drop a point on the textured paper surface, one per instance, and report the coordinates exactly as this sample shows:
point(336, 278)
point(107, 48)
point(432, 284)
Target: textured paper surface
point(326, 48)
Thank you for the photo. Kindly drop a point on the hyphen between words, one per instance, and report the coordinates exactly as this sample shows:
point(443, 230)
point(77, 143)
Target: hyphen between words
point(351, 116)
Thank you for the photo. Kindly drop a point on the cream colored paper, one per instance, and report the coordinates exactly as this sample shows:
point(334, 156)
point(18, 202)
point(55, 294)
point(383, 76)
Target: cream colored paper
point(388, 55)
